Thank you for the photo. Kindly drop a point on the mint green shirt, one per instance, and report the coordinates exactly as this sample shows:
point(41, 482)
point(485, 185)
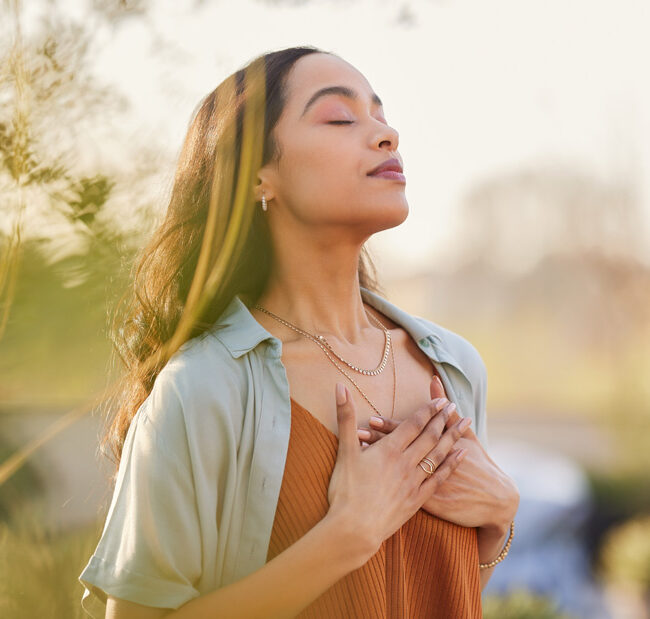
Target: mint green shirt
point(202, 464)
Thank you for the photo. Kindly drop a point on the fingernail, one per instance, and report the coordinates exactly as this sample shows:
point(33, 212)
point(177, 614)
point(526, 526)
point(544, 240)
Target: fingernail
point(341, 396)
point(461, 454)
point(363, 433)
point(378, 421)
point(438, 379)
point(441, 404)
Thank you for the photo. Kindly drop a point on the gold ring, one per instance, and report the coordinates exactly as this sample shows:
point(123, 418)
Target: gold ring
point(432, 466)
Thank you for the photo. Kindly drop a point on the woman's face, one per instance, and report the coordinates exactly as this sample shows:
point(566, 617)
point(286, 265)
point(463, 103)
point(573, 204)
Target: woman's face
point(321, 179)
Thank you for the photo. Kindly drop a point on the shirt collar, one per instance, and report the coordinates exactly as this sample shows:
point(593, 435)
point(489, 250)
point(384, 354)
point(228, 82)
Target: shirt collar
point(240, 332)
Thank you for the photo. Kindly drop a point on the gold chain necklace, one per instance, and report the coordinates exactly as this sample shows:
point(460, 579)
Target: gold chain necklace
point(377, 370)
point(318, 340)
point(387, 349)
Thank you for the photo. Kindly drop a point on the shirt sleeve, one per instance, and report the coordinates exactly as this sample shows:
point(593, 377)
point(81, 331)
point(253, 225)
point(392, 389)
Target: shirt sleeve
point(480, 403)
point(150, 549)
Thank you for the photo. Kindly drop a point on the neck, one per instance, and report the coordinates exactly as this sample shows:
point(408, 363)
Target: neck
point(318, 291)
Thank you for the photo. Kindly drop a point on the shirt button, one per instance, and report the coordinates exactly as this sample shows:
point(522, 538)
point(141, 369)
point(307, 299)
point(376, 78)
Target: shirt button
point(424, 342)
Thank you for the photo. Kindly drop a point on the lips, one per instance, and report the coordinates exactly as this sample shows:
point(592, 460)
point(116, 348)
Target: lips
point(390, 165)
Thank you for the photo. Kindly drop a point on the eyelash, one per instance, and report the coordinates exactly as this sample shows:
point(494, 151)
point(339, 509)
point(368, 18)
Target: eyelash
point(339, 122)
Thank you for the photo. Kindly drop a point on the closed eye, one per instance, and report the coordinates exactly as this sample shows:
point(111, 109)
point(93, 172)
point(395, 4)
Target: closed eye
point(339, 122)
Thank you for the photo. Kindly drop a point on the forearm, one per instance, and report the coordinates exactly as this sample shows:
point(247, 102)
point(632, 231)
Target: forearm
point(289, 582)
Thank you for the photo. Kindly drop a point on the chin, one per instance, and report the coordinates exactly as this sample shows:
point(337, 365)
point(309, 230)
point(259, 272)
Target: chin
point(398, 208)
point(390, 215)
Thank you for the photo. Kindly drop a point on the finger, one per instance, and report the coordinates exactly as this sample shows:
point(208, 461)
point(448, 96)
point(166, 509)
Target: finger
point(386, 426)
point(370, 435)
point(413, 426)
point(380, 426)
point(454, 417)
point(448, 440)
point(438, 424)
point(347, 422)
point(438, 452)
point(448, 466)
point(434, 430)
point(430, 438)
point(438, 391)
point(383, 425)
point(436, 388)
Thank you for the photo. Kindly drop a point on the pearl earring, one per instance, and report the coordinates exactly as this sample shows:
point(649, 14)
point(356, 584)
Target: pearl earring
point(263, 202)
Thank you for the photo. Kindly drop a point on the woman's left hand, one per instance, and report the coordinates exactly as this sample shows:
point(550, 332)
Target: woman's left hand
point(478, 493)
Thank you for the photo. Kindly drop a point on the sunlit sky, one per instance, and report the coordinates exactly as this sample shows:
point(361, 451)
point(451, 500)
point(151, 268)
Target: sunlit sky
point(474, 88)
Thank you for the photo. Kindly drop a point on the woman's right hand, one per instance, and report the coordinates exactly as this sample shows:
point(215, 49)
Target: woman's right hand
point(377, 489)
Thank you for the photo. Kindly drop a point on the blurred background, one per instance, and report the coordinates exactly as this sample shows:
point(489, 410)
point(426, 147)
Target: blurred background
point(525, 134)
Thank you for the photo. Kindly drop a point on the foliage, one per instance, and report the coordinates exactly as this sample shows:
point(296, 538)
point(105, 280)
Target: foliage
point(617, 496)
point(625, 554)
point(39, 568)
point(25, 484)
point(621, 494)
point(56, 348)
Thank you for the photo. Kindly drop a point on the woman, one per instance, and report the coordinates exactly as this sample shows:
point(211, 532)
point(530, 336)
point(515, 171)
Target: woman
point(250, 480)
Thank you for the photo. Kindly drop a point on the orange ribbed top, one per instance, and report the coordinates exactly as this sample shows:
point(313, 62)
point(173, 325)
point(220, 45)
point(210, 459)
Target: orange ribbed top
point(426, 569)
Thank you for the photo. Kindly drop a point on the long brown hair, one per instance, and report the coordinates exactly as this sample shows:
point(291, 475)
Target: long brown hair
point(214, 242)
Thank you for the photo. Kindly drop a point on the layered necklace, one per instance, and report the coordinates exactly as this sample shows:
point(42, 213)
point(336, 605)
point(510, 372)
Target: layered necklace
point(327, 349)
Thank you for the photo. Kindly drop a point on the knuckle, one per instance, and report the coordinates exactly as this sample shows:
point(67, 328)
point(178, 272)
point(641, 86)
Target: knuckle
point(426, 413)
point(419, 420)
point(429, 425)
point(438, 428)
point(432, 431)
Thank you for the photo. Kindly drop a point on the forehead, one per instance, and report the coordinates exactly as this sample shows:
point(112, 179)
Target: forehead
point(315, 71)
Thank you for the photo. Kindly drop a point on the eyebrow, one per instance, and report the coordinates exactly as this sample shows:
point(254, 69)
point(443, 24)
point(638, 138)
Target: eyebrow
point(344, 91)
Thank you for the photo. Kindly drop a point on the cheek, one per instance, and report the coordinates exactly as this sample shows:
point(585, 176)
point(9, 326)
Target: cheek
point(328, 153)
point(324, 174)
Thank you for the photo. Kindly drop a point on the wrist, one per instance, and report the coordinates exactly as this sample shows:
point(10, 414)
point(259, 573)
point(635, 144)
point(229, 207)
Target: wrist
point(493, 547)
point(355, 545)
point(493, 535)
point(491, 539)
point(495, 531)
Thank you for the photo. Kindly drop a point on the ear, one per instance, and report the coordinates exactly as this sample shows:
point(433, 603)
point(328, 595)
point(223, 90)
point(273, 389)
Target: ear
point(264, 183)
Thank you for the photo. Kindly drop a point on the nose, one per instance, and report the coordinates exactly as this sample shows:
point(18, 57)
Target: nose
point(386, 134)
